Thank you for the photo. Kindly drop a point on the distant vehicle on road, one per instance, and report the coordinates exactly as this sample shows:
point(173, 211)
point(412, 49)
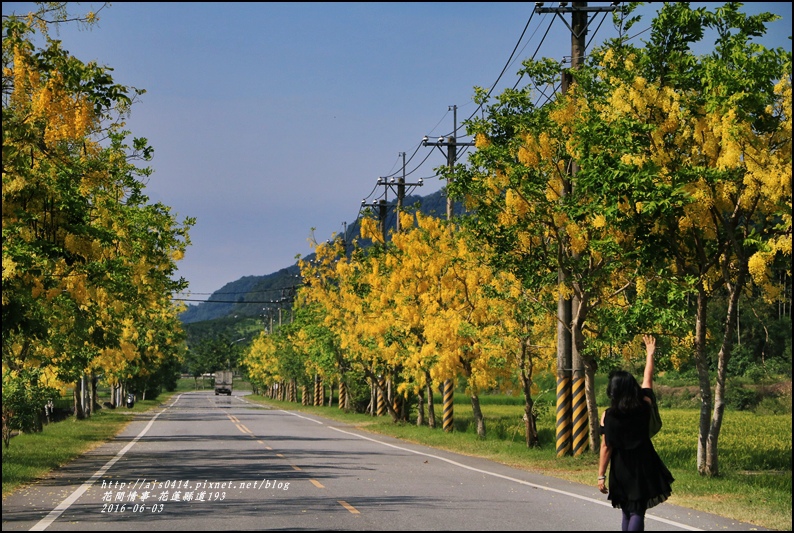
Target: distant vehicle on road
point(223, 382)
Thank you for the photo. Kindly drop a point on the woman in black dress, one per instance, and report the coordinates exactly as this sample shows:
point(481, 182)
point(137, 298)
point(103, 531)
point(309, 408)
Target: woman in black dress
point(638, 480)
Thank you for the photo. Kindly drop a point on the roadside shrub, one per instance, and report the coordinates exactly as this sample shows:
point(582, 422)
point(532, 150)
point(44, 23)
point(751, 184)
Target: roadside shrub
point(740, 398)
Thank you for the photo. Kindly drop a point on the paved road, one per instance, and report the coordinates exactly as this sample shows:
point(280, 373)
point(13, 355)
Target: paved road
point(208, 462)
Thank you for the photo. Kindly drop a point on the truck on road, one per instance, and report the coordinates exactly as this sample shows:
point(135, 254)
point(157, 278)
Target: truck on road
point(223, 382)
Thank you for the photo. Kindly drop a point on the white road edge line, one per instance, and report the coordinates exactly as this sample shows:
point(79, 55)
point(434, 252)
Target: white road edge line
point(45, 522)
point(521, 481)
point(304, 417)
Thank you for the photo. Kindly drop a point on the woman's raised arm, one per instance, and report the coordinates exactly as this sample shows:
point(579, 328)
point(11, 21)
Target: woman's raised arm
point(650, 349)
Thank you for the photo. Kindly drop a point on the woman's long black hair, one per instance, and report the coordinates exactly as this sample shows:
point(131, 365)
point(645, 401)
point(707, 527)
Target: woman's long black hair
point(623, 391)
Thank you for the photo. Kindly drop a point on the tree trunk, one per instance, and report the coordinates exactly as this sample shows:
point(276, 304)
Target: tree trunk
point(373, 398)
point(702, 365)
point(525, 370)
point(86, 404)
point(94, 398)
point(420, 408)
point(431, 409)
point(712, 462)
point(78, 401)
point(388, 404)
point(478, 418)
point(7, 416)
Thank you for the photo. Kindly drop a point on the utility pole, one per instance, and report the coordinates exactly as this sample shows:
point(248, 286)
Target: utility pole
point(400, 195)
point(382, 217)
point(451, 143)
point(401, 185)
point(381, 205)
point(571, 420)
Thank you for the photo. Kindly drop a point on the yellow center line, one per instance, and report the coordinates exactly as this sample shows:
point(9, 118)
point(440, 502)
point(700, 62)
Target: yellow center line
point(348, 506)
point(316, 483)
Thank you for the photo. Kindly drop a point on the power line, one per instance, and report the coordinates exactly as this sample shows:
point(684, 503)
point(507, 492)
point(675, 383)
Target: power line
point(228, 301)
point(543, 39)
point(507, 64)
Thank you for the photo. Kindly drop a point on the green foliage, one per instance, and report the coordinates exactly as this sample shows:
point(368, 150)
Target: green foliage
point(88, 261)
point(741, 399)
point(23, 401)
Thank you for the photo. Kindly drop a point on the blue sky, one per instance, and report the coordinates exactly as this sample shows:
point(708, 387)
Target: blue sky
point(270, 119)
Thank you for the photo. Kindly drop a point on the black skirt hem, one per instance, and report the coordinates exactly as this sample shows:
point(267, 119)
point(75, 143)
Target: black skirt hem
point(640, 506)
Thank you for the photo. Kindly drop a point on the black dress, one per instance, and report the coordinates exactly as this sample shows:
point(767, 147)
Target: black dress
point(638, 479)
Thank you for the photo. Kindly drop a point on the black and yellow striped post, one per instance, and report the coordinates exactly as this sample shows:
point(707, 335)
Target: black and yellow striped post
point(563, 415)
point(381, 397)
point(342, 394)
point(564, 362)
point(396, 402)
point(579, 416)
point(448, 417)
point(304, 395)
point(318, 391)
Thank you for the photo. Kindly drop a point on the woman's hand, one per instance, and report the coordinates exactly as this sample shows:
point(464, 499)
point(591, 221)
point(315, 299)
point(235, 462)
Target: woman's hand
point(602, 486)
point(650, 344)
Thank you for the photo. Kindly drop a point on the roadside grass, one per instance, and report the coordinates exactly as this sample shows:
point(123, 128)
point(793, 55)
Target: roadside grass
point(755, 453)
point(31, 456)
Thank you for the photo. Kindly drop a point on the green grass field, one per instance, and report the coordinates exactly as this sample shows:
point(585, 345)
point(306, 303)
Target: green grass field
point(755, 450)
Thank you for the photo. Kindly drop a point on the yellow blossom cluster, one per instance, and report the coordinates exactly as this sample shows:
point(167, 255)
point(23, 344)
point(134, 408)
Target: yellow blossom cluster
point(577, 237)
point(431, 306)
point(481, 141)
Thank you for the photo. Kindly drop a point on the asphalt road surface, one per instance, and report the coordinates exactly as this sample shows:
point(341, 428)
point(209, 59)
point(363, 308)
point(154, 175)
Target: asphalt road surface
point(207, 462)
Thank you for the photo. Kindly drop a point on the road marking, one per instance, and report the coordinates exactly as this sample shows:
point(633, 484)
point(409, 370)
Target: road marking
point(296, 468)
point(317, 484)
point(304, 417)
point(348, 506)
point(45, 522)
point(240, 425)
point(521, 481)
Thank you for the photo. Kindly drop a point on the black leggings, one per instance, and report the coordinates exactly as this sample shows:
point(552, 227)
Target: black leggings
point(633, 521)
